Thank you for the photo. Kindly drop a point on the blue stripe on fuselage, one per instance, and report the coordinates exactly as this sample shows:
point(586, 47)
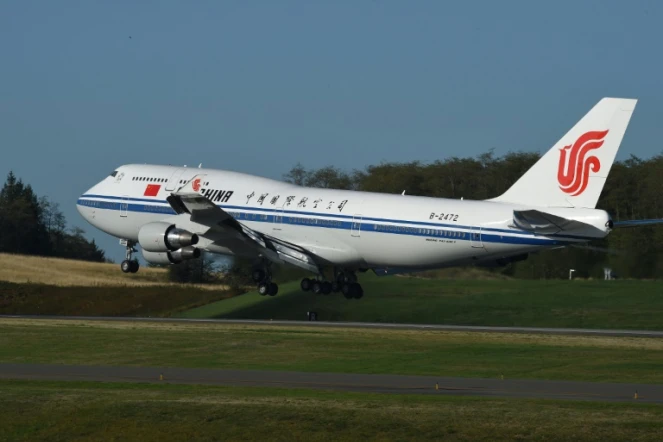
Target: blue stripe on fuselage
point(343, 222)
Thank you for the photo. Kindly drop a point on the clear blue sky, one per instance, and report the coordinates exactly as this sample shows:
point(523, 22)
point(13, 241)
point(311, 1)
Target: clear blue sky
point(259, 86)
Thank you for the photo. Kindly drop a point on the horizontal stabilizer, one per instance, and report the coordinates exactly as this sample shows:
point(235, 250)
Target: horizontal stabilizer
point(543, 223)
point(637, 222)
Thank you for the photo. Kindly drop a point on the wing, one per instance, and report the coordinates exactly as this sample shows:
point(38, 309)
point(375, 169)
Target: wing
point(203, 211)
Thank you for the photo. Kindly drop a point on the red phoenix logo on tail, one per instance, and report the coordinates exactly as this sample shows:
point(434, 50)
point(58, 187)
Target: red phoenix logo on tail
point(196, 185)
point(575, 165)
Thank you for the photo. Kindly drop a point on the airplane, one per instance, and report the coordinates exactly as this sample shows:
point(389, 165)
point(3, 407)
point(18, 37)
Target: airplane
point(175, 212)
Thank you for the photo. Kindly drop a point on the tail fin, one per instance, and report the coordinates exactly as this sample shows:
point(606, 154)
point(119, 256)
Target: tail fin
point(573, 172)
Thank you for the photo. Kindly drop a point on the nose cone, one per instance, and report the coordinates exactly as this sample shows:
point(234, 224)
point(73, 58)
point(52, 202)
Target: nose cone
point(86, 206)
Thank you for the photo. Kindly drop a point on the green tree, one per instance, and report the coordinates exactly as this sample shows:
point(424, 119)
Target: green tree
point(22, 228)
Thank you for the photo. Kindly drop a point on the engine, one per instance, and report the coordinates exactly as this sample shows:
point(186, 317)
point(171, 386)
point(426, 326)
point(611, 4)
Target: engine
point(174, 257)
point(162, 237)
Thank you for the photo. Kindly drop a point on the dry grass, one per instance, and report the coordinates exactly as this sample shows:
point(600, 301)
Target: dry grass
point(71, 273)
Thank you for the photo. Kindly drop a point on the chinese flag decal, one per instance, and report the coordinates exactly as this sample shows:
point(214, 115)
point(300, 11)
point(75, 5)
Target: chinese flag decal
point(152, 189)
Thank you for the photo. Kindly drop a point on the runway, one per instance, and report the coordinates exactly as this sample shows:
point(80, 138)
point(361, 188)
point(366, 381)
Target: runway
point(377, 325)
point(367, 383)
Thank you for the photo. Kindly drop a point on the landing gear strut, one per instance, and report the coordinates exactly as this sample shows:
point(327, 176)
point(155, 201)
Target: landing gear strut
point(263, 277)
point(345, 282)
point(129, 265)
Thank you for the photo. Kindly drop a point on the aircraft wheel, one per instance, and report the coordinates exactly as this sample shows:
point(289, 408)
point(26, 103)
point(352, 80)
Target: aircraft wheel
point(263, 289)
point(336, 286)
point(306, 284)
point(326, 288)
point(350, 278)
point(358, 292)
point(273, 289)
point(317, 287)
point(346, 289)
point(125, 266)
point(134, 266)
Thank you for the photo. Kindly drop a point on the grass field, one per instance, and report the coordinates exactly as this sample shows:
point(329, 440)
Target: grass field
point(551, 303)
point(64, 411)
point(68, 272)
point(514, 356)
point(22, 269)
point(31, 285)
point(151, 300)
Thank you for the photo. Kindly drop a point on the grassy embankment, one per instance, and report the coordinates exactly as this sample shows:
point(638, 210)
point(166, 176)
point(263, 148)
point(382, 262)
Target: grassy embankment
point(64, 287)
point(52, 286)
point(552, 303)
point(63, 411)
point(514, 356)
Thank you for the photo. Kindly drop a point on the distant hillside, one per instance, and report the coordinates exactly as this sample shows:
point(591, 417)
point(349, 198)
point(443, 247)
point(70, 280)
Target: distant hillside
point(70, 273)
point(33, 285)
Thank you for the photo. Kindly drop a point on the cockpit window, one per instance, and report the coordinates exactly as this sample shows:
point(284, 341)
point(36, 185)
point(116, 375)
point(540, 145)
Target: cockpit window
point(114, 173)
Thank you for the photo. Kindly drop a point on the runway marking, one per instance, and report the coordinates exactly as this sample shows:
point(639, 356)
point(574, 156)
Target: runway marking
point(368, 383)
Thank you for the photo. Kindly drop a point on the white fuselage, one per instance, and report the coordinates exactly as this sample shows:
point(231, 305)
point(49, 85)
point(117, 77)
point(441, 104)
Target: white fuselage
point(342, 228)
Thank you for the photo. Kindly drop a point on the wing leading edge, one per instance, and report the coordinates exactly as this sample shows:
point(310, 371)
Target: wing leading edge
point(203, 211)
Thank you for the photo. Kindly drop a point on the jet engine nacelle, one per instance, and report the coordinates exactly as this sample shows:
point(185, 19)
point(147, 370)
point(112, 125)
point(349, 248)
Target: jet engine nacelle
point(161, 237)
point(174, 257)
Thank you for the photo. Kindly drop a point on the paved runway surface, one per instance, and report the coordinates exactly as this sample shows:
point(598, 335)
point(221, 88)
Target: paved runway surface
point(463, 328)
point(370, 383)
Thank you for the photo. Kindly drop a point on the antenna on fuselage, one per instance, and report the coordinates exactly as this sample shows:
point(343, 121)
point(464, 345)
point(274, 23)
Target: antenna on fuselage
point(403, 193)
point(200, 165)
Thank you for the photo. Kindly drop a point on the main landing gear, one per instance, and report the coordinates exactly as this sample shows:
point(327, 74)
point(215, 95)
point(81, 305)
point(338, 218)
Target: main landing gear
point(263, 277)
point(129, 265)
point(344, 282)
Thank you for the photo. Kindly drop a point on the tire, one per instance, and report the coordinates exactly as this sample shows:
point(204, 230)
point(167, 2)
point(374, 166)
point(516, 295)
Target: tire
point(273, 289)
point(350, 278)
point(347, 290)
point(357, 291)
point(125, 266)
point(336, 287)
point(258, 275)
point(326, 288)
point(134, 266)
point(317, 287)
point(305, 285)
point(263, 289)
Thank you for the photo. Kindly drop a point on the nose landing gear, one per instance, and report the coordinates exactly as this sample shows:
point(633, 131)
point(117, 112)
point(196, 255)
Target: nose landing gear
point(129, 265)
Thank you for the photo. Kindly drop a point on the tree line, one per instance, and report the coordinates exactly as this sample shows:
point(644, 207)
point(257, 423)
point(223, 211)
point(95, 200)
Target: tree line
point(634, 190)
point(33, 225)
